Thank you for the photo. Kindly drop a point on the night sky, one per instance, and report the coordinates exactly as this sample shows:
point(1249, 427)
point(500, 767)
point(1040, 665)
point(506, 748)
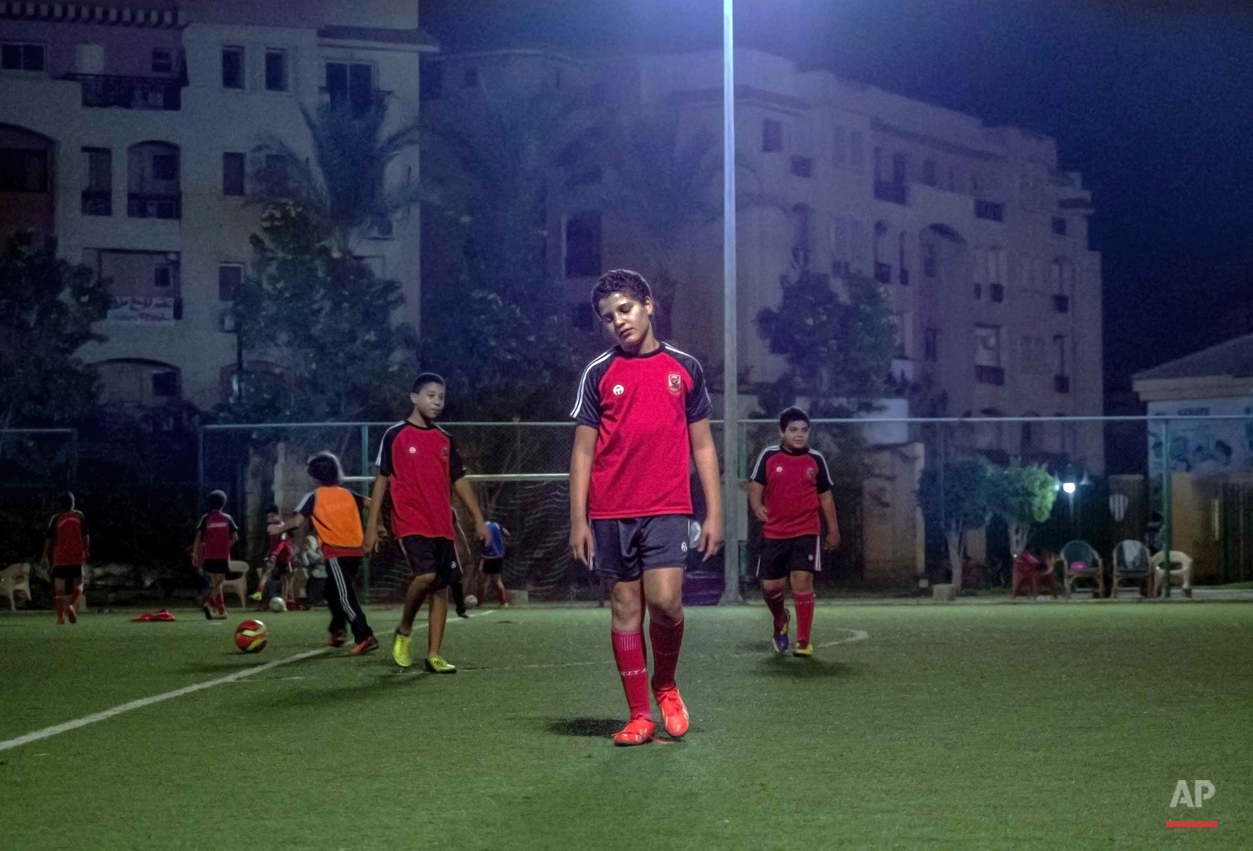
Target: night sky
point(1153, 105)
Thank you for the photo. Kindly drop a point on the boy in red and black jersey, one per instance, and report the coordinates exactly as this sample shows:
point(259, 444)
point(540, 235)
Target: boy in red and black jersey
point(417, 463)
point(216, 534)
point(66, 546)
point(790, 484)
point(278, 562)
point(642, 412)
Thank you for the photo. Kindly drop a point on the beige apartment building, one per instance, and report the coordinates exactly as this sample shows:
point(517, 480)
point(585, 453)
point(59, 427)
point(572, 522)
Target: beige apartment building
point(978, 235)
point(127, 132)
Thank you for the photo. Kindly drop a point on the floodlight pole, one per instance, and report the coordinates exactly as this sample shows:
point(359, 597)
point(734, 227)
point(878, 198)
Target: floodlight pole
point(730, 333)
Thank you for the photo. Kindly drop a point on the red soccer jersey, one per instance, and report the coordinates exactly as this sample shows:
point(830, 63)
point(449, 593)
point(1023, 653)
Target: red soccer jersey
point(641, 407)
point(68, 533)
point(216, 530)
point(793, 481)
point(421, 464)
point(280, 549)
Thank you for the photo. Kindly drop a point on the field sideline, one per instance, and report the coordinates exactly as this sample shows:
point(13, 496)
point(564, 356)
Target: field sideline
point(979, 727)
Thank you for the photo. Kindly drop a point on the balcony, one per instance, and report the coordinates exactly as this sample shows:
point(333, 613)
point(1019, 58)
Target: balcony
point(106, 90)
point(883, 273)
point(147, 206)
point(990, 375)
point(97, 203)
point(895, 193)
point(1061, 383)
point(1061, 303)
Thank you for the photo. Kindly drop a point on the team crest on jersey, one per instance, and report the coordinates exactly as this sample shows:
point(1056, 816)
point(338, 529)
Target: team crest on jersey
point(675, 383)
point(811, 473)
point(443, 452)
point(413, 450)
point(618, 390)
point(779, 469)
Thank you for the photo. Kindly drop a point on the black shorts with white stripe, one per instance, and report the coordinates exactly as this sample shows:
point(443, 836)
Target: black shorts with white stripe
point(780, 556)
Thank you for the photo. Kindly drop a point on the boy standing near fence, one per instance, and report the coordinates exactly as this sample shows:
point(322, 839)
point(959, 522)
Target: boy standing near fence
point(418, 466)
point(642, 414)
point(216, 534)
point(790, 484)
point(66, 547)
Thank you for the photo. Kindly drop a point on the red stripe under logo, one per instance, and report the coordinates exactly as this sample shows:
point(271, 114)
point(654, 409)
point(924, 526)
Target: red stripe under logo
point(1192, 824)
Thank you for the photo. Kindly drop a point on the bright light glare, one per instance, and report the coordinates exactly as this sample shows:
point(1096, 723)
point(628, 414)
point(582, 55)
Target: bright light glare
point(1068, 487)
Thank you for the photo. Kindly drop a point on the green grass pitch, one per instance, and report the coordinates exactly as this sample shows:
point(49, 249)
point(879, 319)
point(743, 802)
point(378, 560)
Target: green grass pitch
point(963, 726)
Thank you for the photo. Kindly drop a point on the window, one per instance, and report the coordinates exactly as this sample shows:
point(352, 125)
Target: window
point(857, 151)
point(989, 210)
point(163, 277)
point(153, 187)
point(931, 345)
point(165, 166)
point(233, 174)
point(470, 78)
point(432, 82)
point(840, 150)
point(1059, 350)
point(583, 245)
point(230, 279)
point(15, 56)
point(996, 292)
point(929, 174)
point(276, 173)
point(988, 369)
point(901, 258)
point(165, 384)
point(162, 60)
point(771, 135)
point(276, 70)
point(351, 83)
point(1059, 226)
point(23, 170)
point(98, 191)
point(802, 166)
point(930, 262)
point(232, 67)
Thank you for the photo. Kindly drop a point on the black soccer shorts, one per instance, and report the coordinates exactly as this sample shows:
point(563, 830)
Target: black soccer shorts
point(67, 572)
point(627, 548)
point(779, 557)
point(432, 555)
point(217, 565)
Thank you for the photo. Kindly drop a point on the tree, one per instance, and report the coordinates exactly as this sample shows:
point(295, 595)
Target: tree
point(1021, 496)
point(838, 349)
point(47, 309)
point(954, 497)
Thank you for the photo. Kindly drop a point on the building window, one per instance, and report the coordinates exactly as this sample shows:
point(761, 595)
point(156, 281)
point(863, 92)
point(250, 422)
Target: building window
point(996, 292)
point(771, 135)
point(276, 174)
point(929, 174)
point(232, 67)
point(582, 317)
point(989, 210)
point(165, 384)
point(351, 83)
point(98, 193)
point(230, 279)
point(162, 60)
point(1059, 226)
point(840, 149)
point(802, 166)
point(276, 70)
point(931, 345)
point(23, 170)
point(470, 78)
point(165, 166)
point(988, 369)
point(16, 56)
point(930, 264)
point(154, 190)
point(583, 245)
point(233, 174)
point(857, 150)
point(432, 82)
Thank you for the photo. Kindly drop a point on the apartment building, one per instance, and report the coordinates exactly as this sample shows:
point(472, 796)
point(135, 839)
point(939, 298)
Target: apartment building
point(127, 133)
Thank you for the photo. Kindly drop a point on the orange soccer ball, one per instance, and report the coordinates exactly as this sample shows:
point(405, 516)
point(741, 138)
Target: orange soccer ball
point(251, 636)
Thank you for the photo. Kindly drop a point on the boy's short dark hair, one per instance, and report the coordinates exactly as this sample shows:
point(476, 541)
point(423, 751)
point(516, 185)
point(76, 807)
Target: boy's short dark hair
point(217, 500)
point(791, 415)
point(426, 378)
point(66, 501)
point(630, 284)
point(324, 469)
point(271, 509)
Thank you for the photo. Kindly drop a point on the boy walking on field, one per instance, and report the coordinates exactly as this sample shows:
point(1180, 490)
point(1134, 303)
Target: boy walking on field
point(216, 534)
point(642, 412)
point(66, 547)
point(417, 463)
point(790, 484)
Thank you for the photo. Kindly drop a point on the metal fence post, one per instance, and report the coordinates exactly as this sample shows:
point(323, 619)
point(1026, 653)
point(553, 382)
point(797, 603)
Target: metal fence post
point(1166, 504)
point(199, 464)
point(365, 471)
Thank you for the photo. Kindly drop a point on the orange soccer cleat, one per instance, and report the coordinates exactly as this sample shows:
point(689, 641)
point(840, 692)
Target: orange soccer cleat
point(672, 711)
point(637, 732)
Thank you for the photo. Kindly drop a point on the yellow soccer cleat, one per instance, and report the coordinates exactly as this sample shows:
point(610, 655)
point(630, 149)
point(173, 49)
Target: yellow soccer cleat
point(401, 650)
point(437, 665)
point(803, 650)
point(255, 596)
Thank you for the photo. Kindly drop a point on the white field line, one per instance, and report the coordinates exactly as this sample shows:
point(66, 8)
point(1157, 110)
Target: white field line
point(47, 732)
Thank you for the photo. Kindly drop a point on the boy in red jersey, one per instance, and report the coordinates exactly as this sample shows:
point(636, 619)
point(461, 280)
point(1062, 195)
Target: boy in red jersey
point(789, 485)
point(66, 547)
point(417, 462)
point(335, 513)
point(216, 534)
point(278, 561)
point(642, 412)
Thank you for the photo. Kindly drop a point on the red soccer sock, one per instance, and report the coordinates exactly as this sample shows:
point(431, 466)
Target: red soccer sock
point(628, 652)
point(219, 603)
point(60, 604)
point(504, 598)
point(78, 593)
point(666, 643)
point(775, 602)
point(804, 615)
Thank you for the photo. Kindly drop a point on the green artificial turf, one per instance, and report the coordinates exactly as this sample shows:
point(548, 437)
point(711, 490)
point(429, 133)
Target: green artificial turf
point(976, 727)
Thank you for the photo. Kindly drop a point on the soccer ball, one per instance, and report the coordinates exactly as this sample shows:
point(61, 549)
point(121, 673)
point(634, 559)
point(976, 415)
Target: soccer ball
point(278, 604)
point(471, 601)
point(251, 636)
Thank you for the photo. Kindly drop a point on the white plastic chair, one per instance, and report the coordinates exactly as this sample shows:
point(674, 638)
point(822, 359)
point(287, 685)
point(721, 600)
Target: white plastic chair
point(14, 578)
point(1180, 571)
point(238, 585)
